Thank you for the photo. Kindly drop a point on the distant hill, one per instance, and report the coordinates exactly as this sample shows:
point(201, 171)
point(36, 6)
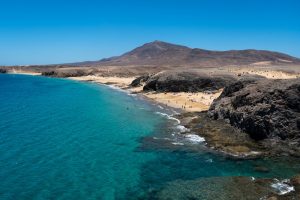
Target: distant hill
point(163, 53)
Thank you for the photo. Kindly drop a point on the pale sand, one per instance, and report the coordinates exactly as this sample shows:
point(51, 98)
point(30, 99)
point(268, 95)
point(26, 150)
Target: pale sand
point(24, 72)
point(121, 82)
point(190, 102)
point(270, 74)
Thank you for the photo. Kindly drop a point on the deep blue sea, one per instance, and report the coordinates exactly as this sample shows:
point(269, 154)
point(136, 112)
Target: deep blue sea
point(62, 139)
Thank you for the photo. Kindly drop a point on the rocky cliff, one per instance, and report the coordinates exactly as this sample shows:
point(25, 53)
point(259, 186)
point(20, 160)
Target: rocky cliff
point(263, 109)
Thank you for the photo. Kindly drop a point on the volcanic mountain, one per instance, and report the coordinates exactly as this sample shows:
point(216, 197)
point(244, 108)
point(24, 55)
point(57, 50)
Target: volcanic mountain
point(160, 53)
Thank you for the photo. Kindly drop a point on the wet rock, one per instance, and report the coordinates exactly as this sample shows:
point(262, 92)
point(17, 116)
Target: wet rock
point(222, 137)
point(272, 198)
point(295, 181)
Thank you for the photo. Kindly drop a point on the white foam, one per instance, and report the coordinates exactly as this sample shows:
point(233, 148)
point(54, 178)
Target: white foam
point(175, 113)
point(115, 88)
point(160, 107)
point(168, 116)
point(156, 138)
point(177, 143)
point(131, 94)
point(194, 138)
point(282, 187)
point(182, 129)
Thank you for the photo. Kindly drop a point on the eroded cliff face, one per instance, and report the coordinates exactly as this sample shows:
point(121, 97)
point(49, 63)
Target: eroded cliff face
point(263, 109)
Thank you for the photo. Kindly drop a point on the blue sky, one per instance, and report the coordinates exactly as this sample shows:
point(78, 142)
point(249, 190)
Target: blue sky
point(59, 31)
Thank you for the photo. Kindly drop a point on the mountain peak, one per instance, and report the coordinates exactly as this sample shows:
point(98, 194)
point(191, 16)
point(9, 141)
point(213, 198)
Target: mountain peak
point(163, 53)
point(162, 45)
point(157, 41)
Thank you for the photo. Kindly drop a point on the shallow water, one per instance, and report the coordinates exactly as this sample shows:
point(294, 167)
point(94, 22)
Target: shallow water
point(61, 139)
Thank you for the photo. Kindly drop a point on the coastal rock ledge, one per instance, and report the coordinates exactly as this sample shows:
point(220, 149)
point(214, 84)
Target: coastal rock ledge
point(265, 109)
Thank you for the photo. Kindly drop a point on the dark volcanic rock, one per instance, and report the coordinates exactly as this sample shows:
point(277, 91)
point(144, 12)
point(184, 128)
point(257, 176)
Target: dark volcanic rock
point(186, 82)
point(49, 73)
point(3, 71)
point(139, 81)
point(263, 109)
point(65, 73)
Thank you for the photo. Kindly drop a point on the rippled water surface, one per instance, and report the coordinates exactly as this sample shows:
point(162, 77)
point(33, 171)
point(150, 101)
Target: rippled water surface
point(61, 139)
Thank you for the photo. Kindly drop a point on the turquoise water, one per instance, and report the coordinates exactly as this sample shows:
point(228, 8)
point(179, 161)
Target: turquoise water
point(61, 139)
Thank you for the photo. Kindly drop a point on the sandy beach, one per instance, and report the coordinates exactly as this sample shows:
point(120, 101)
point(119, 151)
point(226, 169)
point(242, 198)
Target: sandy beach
point(25, 73)
point(121, 82)
point(189, 102)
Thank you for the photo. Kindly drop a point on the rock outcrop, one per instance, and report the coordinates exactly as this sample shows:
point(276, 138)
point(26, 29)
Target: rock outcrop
point(66, 73)
point(172, 81)
point(3, 71)
point(139, 81)
point(263, 109)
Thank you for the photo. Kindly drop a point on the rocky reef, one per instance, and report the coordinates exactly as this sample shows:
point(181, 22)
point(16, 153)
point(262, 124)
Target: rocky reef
point(236, 188)
point(221, 136)
point(267, 110)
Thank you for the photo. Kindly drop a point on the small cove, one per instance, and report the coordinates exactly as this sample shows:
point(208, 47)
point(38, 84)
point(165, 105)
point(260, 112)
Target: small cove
point(62, 139)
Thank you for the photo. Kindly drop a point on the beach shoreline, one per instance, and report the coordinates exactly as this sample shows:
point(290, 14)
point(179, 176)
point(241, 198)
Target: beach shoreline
point(184, 101)
point(25, 73)
point(187, 108)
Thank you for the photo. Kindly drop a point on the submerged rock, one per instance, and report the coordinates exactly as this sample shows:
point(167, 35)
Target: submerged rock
point(227, 188)
point(261, 169)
